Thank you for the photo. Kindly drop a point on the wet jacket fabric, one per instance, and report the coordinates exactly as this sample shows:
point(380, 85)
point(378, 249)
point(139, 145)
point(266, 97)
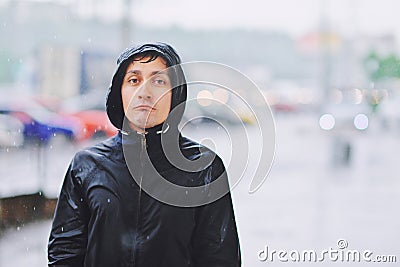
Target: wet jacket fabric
point(105, 218)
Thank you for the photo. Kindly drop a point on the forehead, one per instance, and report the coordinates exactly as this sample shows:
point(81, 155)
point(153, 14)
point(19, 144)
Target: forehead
point(143, 64)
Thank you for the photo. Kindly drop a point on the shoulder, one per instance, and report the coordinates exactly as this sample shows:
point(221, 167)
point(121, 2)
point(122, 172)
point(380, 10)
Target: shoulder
point(192, 150)
point(90, 158)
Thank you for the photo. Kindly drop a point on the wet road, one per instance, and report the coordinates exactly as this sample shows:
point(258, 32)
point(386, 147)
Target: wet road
point(306, 203)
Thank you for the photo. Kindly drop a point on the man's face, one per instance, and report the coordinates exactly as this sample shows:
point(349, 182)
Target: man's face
point(146, 93)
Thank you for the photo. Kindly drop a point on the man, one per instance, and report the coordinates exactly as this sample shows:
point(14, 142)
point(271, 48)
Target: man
point(104, 215)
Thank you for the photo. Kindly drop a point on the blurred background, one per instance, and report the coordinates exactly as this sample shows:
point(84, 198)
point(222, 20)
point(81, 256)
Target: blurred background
point(330, 71)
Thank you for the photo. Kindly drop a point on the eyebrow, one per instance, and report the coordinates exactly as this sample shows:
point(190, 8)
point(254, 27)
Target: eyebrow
point(138, 72)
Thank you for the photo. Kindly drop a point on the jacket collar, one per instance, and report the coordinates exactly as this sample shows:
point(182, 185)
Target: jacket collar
point(152, 137)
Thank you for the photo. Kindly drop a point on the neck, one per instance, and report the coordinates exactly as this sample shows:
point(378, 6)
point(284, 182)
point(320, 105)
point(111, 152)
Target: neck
point(137, 129)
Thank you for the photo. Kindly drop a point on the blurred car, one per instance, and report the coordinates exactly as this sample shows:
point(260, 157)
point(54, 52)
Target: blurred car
point(43, 128)
point(90, 110)
point(95, 124)
point(11, 131)
point(39, 123)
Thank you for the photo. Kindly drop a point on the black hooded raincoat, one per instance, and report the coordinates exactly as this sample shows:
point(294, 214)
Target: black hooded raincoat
point(105, 218)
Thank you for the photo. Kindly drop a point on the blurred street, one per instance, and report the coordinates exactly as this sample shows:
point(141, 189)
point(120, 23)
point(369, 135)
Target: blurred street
point(330, 75)
point(308, 202)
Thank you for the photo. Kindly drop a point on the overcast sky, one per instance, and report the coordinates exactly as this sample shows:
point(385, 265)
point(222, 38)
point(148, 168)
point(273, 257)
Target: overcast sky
point(293, 16)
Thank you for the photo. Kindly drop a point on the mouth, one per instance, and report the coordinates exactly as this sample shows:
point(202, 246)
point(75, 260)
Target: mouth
point(144, 107)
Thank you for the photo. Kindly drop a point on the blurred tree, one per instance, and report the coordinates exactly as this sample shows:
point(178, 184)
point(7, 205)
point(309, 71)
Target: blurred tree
point(380, 68)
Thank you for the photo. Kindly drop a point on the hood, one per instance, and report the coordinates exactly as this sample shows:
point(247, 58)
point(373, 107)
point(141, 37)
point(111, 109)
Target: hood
point(114, 106)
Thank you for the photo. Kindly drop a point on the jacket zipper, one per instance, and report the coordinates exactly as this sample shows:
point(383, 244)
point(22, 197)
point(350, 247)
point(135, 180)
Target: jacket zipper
point(142, 155)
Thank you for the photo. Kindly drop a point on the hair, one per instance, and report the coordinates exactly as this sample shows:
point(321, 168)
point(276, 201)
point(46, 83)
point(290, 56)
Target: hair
point(152, 55)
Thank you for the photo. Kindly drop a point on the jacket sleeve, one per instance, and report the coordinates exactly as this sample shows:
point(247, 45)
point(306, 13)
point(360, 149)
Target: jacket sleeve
point(68, 236)
point(215, 241)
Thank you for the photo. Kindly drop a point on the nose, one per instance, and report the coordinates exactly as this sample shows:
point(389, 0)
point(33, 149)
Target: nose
point(144, 91)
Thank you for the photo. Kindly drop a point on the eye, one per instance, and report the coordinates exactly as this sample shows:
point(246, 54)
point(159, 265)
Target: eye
point(133, 81)
point(159, 81)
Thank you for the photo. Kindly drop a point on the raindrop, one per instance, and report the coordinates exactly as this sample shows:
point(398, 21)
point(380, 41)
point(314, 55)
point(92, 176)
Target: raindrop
point(81, 52)
point(20, 60)
point(81, 199)
point(147, 237)
point(55, 36)
point(40, 193)
point(34, 208)
point(7, 149)
point(108, 200)
point(62, 229)
point(18, 228)
point(54, 134)
point(186, 192)
point(27, 249)
point(8, 60)
point(51, 146)
point(89, 40)
point(4, 24)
